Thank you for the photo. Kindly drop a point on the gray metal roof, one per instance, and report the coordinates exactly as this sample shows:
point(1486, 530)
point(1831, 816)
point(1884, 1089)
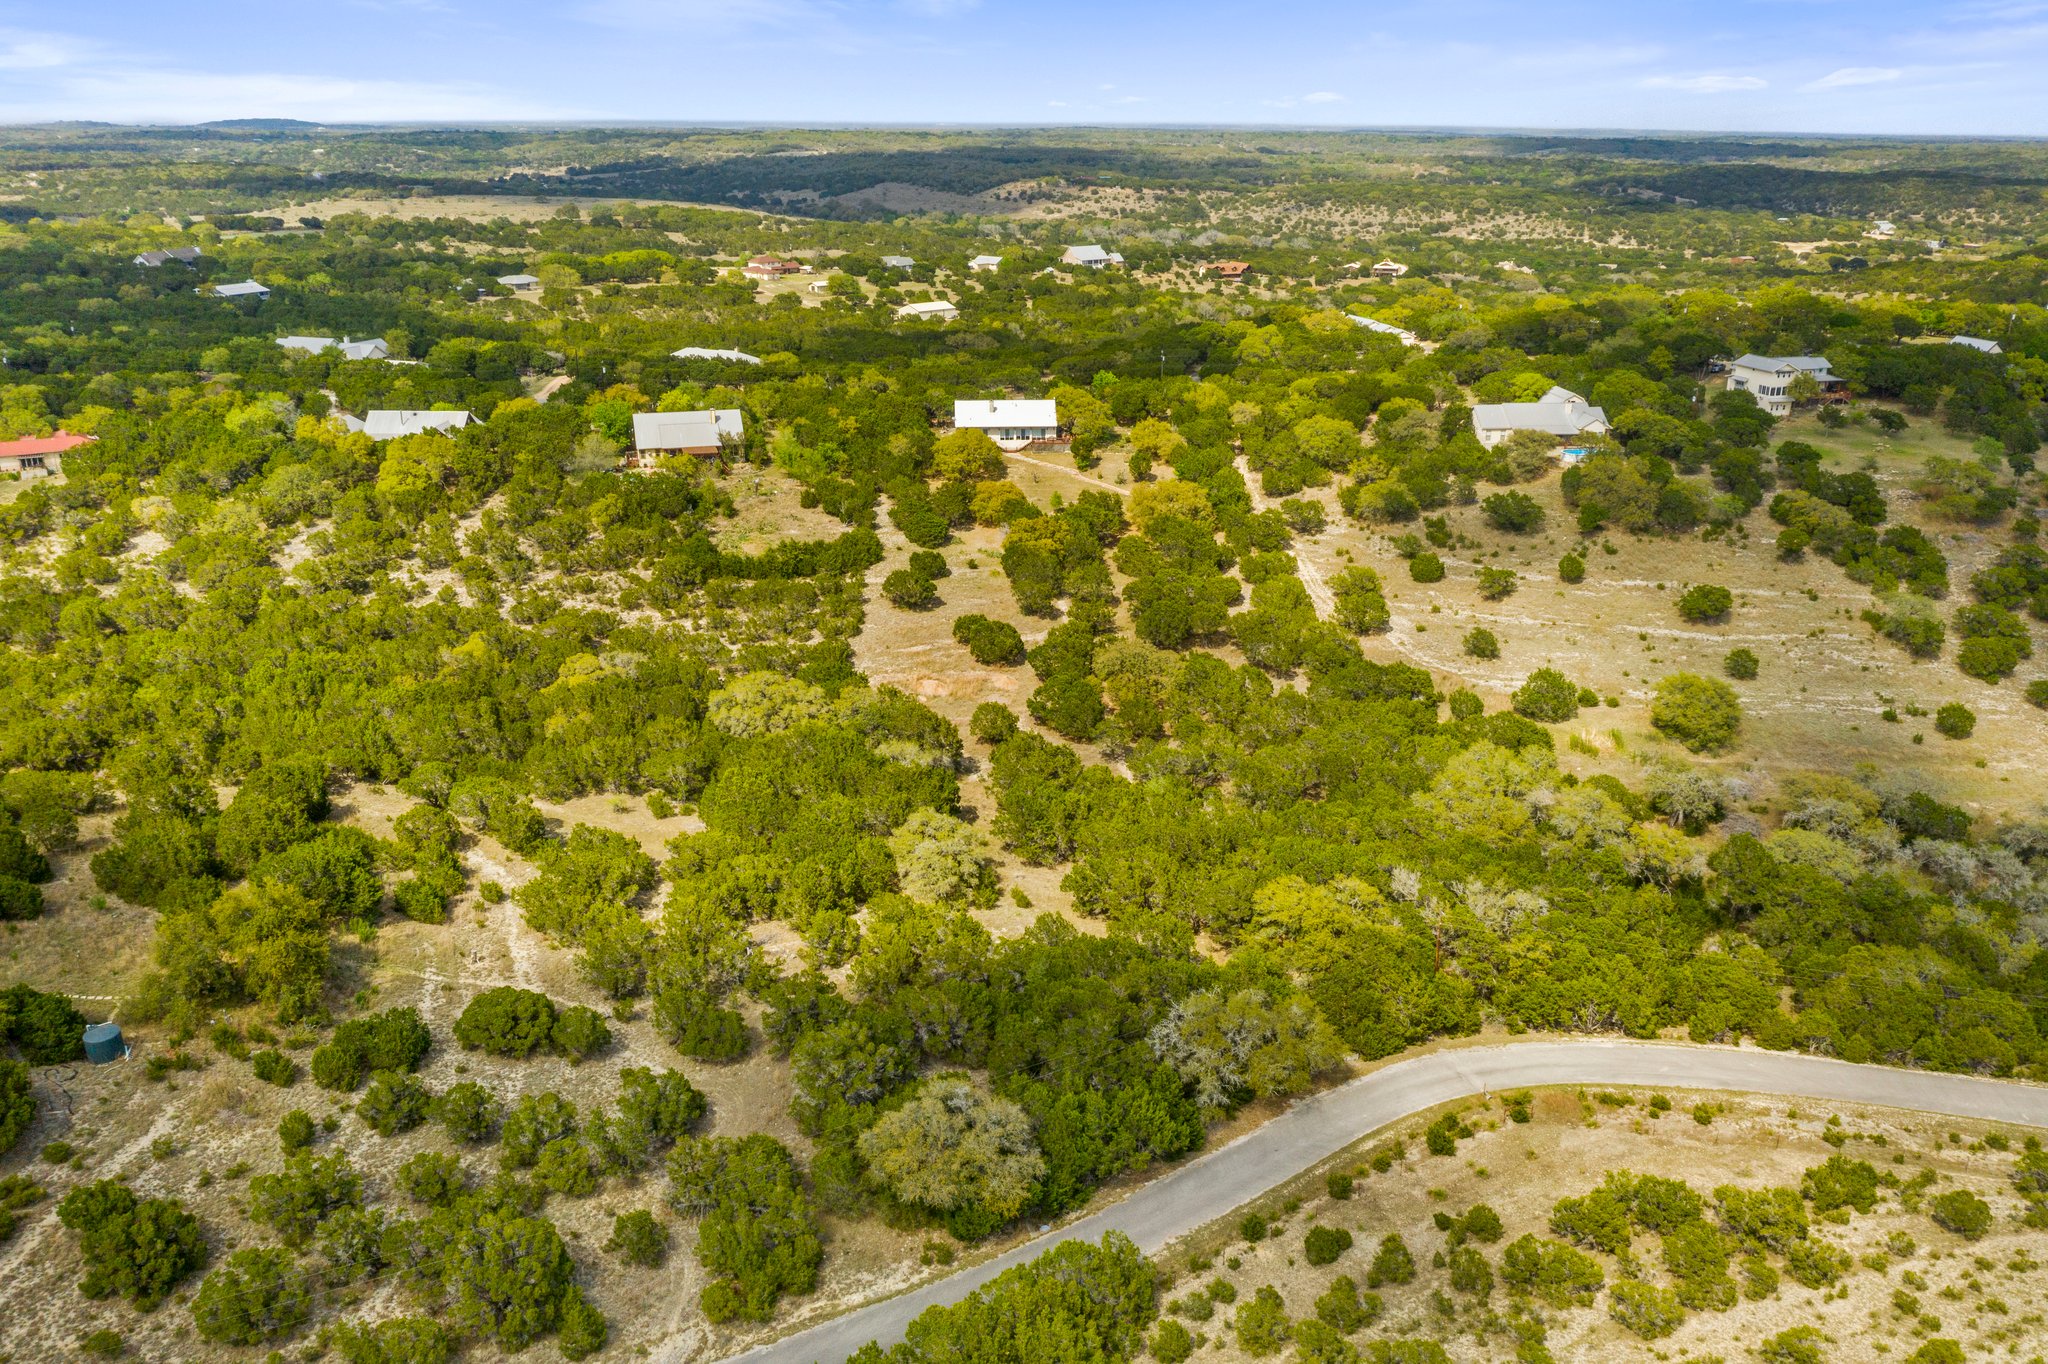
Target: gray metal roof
point(245, 289)
point(898, 262)
point(391, 423)
point(1560, 412)
point(709, 353)
point(701, 430)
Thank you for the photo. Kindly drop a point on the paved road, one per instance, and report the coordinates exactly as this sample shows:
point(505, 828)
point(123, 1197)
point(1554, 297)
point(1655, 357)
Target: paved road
point(1228, 1177)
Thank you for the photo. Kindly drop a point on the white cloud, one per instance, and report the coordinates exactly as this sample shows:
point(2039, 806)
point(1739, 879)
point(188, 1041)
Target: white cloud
point(701, 16)
point(1855, 75)
point(1322, 97)
point(21, 51)
point(142, 95)
point(1710, 83)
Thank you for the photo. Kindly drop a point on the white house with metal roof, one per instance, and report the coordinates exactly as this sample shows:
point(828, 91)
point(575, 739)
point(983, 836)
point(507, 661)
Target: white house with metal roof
point(372, 349)
point(1373, 324)
point(898, 262)
point(986, 264)
point(248, 288)
point(519, 281)
point(929, 310)
point(1977, 343)
point(1768, 378)
point(387, 423)
point(1560, 412)
point(704, 432)
point(738, 357)
point(1094, 257)
point(1012, 423)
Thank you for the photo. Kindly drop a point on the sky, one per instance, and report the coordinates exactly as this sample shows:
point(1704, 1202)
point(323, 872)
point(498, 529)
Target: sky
point(1821, 66)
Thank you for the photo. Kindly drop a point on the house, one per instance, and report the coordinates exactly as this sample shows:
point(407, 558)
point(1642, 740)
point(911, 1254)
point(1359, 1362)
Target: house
point(248, 288)
point(390, 423)
point(373, 349)
point(1373, 324)
point(818, 286)
point(738, 357)
point(1230, 269)
point(1768, 379)
point(38, 456)
point(1389, 269)
point(1977, 343)
point(987, 264)
point(772, 267)
point(519, 281)
point(1881, 229)
point(150, 260)
point(898, 262)
point(1094, 257)
point(684, 433)
point(930, 310)
point(1511, 268)
point(1012, 423)
point(1560, 412)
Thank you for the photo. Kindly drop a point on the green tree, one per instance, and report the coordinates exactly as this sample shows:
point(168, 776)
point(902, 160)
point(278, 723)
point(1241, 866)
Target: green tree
point(958, 1151)
point(1702, 713)
point(256, 1297)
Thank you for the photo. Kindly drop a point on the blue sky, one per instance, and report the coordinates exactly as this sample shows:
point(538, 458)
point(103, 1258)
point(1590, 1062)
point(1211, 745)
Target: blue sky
point(1877, 66)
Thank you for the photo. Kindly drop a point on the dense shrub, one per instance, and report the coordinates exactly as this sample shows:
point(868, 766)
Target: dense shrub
point(1704, 602)
point(1740, 664)
point(273, 1067)
point(1391, 1263)
point(1547, 697)
point(1480, 643)
point(17, 1103)
point(394, 1040)
point(1700, 712)
point(135, 1248)
point(1961, 1212)
point(46, 1029)
point(638, 1239)
point(469, 1111)
point(1515, 512)
point(1955, 721)
point(1571, 569)
point(507, 1021)
point(1426, 567)
point(1323, 1245)
point(991, 642)
point(395, 1102)
point(1552, 1271)
point(256, 1297)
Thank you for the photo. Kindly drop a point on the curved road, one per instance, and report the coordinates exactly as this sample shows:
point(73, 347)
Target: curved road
point(1204, 1189)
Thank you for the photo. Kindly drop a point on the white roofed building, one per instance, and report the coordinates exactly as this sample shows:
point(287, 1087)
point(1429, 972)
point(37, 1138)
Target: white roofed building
point(1012, 423)
point(372, 349)
point(1094, 257)
point(519, 281)
point(391, 423)
point(898, 262)
point(1373, 324)
point(929, 310)
point(709, 353)
point(986, 264)
point(1977, 343)
point(248, 288)
point(1389, 269)
point(706, 432)
point(1560, 412)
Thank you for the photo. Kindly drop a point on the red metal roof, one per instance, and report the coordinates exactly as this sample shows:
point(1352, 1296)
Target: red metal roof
point(42, 445)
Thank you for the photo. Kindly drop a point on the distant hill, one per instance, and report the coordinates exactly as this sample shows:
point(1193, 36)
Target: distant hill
point(268, 125)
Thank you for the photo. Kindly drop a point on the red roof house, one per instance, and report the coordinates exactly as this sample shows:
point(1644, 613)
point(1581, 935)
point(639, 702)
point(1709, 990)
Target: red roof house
point(38, 454)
